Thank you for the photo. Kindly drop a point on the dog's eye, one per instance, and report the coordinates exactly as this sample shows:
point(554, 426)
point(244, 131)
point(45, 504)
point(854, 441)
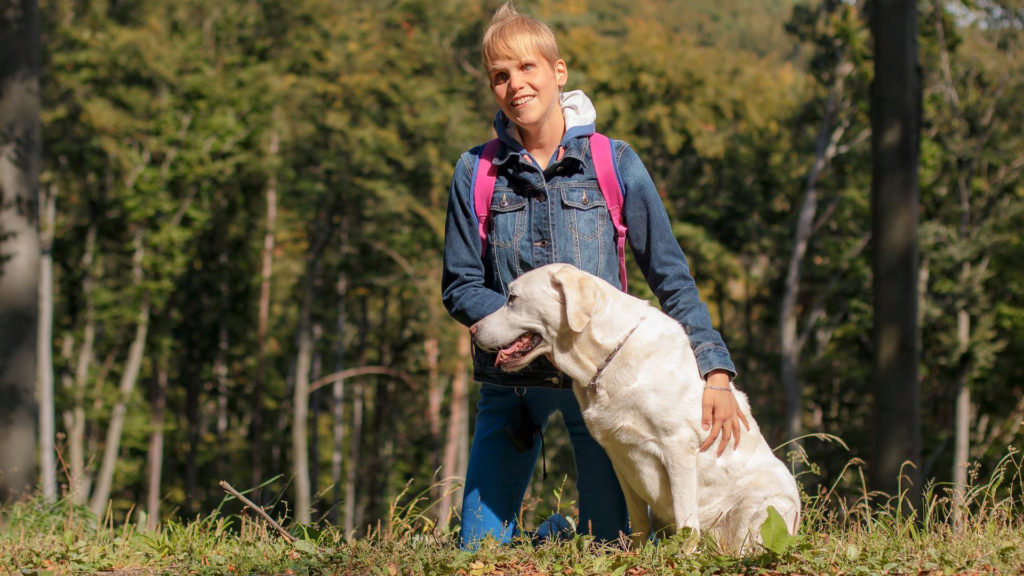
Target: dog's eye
point(512, 298)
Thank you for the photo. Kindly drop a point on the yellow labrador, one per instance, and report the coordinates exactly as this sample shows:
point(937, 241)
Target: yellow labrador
point(636, 379)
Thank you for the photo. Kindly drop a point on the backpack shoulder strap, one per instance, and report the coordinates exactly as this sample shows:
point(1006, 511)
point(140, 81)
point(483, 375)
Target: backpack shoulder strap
point(485, 173)
point(603, 153)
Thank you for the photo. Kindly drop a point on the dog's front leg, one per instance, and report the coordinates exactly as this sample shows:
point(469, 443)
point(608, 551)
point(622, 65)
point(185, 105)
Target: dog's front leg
point(681, 464)
point(639, 514)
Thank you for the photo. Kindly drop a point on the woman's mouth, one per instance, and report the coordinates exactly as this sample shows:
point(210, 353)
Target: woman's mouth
point(521, 100)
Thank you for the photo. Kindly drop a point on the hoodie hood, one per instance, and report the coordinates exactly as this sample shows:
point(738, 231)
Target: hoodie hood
point(577, 109)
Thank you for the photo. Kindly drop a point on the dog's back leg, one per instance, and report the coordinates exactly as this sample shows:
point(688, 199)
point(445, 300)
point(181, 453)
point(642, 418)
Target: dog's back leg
point(639, 513)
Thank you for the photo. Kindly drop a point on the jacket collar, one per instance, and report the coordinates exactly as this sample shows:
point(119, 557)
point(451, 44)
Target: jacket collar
point(579, 114)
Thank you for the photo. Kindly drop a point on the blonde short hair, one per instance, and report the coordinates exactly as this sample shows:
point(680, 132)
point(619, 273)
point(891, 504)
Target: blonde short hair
point(512, 36)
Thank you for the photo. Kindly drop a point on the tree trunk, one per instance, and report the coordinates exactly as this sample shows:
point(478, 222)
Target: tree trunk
point(300, 398)
point(832, 130)
point(356, 437)
point(379, 453)
point(192, 392)
point(316, 370)
point(20, 158)
point(155, 457)
point(457, 436)
point(352, 475)
point(895, 131)
point(112, 446)
point(78, 482)
point(338, 402)
point(435, 397)
point(266, 274)
point(962, 442)
point(435, 394)
point(44, 350)
point(220, 372)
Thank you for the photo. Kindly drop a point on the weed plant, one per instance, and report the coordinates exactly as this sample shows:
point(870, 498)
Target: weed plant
point(845, 529)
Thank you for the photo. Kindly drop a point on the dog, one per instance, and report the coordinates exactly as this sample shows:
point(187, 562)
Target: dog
point(636, 379)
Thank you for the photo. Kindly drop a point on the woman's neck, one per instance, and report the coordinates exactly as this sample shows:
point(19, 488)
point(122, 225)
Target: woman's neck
point(542, 142)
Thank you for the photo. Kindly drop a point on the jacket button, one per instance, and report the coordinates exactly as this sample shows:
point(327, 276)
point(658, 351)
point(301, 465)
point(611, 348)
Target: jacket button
point(542, 197)
point(541, 243)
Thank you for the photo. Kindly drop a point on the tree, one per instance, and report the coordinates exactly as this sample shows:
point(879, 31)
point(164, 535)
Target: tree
point(972, 165)
point(20, 158)
point(895, 129)
point(837, 33)
point(44, 348)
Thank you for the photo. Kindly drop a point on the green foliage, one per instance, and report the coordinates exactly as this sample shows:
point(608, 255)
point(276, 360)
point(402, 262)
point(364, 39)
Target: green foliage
point(159, 119)
point(775, 534)
point(869, 537)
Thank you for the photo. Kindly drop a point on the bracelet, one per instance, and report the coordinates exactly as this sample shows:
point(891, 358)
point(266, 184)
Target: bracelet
point(722, 388)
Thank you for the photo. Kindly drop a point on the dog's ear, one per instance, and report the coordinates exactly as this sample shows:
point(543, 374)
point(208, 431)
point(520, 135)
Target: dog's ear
point(581, 295)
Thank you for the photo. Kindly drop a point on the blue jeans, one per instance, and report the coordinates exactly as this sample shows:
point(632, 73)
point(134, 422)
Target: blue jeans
point(497, 476)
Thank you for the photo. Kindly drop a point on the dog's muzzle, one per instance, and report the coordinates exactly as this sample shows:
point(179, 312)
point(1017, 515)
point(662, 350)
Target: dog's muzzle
point(518, 348)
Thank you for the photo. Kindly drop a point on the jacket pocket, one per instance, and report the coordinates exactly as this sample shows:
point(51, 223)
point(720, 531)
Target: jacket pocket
point(585, 212)
point(508, 218)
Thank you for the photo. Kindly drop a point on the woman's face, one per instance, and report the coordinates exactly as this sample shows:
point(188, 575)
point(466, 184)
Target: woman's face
point(527, 89)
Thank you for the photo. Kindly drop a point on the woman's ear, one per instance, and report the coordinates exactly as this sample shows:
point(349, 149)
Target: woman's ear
point(561, 74)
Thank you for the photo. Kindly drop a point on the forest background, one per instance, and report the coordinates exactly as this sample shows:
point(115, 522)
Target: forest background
point(243, 209)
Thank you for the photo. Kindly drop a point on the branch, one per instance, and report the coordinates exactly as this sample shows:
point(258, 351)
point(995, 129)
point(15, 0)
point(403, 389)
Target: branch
point(363, 371)
point(1005, 431)
point(176, 220)
point(854, 142)
point(818, 308)
point(284, 533)
point(129, 182)
point(470, 69)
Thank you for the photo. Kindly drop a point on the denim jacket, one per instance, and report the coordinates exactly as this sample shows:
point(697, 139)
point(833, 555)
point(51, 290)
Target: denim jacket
point(559, 215)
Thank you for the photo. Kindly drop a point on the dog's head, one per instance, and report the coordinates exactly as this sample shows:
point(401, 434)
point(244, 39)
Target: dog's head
point(546, 307)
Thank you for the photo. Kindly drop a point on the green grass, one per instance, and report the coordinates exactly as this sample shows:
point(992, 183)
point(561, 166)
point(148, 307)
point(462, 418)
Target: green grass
point(840, 534)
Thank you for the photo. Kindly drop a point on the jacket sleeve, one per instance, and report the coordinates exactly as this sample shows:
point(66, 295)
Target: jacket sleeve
point(663, 263)
point(463, 290)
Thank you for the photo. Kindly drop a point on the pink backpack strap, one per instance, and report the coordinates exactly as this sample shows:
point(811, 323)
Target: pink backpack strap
point(604, 164)
point(485, 173)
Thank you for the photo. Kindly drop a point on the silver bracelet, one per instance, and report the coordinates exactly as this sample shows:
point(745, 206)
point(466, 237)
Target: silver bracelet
point(722, 388)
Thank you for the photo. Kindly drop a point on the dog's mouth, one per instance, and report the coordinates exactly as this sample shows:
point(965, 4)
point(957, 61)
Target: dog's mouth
point(518, 349)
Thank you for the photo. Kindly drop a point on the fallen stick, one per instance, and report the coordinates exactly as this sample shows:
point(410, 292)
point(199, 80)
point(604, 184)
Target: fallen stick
point(251, 504)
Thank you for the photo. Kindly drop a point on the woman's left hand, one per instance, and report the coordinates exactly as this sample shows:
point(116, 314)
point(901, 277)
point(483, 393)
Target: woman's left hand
point(721, 413)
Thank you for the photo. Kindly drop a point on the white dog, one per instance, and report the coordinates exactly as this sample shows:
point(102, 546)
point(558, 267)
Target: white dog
point(636, 379)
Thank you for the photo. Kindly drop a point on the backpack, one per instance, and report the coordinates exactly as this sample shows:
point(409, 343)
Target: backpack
point(485, 173)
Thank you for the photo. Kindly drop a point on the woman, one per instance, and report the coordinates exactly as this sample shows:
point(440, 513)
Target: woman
point(547, 207)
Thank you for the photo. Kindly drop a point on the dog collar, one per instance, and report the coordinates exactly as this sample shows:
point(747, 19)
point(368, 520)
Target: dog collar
point(608, 359)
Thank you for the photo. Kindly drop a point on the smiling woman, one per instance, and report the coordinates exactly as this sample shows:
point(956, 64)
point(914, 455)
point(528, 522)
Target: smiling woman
point(547, 207)
point(528, 90)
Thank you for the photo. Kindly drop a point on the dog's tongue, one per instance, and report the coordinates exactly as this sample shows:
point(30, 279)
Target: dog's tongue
point(506, 353)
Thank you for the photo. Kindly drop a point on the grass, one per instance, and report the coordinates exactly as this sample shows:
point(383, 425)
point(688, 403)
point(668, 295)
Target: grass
point(867, 534)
